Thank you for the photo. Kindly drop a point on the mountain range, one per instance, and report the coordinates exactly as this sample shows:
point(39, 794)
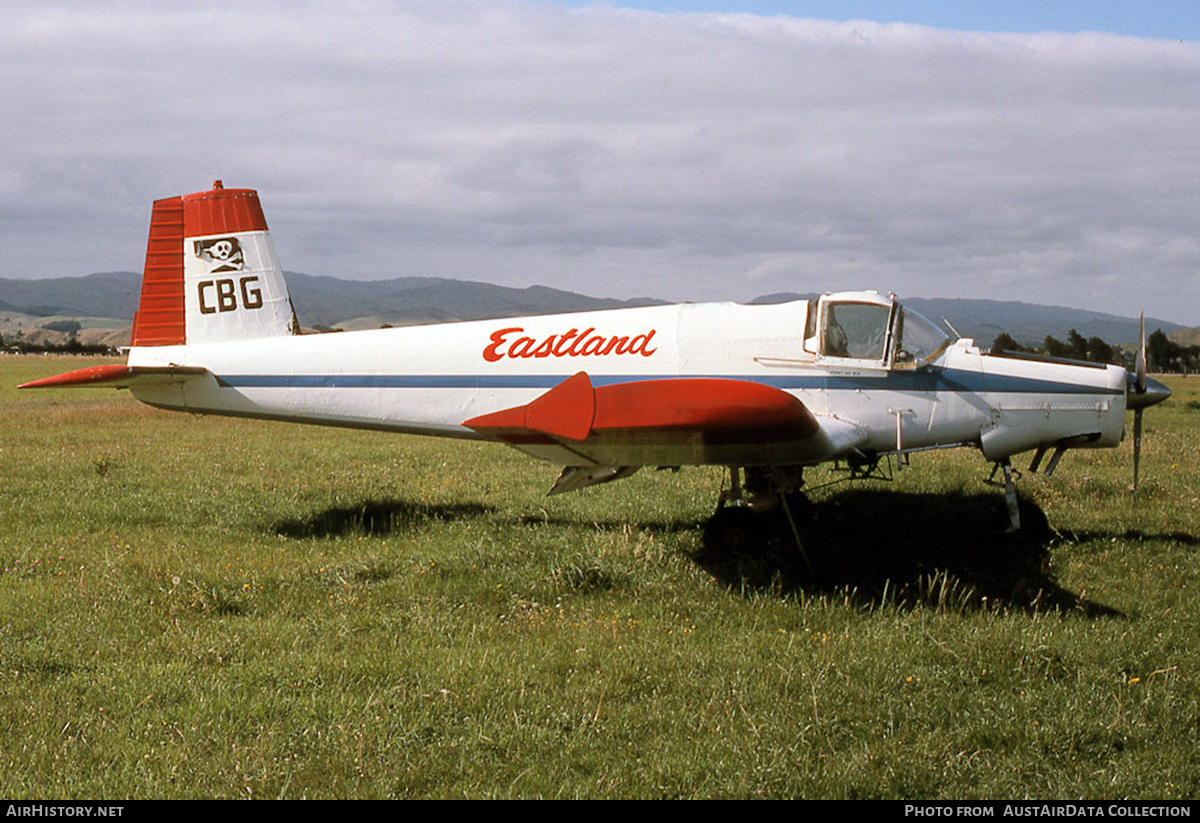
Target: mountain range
point(108, 300)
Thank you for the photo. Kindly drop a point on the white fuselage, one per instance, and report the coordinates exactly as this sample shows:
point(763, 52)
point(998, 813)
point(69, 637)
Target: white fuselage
point(429, 379)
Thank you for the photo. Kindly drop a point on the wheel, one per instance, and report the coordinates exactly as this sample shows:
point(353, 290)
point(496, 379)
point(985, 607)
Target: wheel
point(732, 530)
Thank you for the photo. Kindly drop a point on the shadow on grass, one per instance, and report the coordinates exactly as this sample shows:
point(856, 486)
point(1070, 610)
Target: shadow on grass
point(1178, 538)
point(673, 526)
point(375, 518)
point(44, 669)
point(948, 551)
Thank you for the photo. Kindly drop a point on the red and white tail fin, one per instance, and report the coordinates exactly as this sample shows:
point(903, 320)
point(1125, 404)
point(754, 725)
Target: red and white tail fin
point(211, 273)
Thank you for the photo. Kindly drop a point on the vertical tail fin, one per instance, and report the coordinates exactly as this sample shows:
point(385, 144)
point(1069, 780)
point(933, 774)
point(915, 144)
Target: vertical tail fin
point(211, 273)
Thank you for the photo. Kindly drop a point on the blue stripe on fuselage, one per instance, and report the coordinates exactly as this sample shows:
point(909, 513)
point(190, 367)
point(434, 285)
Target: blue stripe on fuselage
point(929, 380)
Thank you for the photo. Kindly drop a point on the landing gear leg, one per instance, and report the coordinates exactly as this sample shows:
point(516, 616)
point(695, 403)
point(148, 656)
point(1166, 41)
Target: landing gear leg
point(733, 525)
point(749, 512)
point(1010, 495)
point(734, 498)
point(787, 510)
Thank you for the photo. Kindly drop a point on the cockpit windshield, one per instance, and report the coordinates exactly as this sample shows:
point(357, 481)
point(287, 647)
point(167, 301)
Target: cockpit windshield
point(917, 339)
point(879, 331)
point(857, 330)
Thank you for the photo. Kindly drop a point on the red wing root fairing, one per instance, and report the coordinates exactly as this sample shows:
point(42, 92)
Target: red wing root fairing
point(697, 411)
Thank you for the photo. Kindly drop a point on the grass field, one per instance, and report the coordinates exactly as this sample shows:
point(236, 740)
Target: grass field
point(204, 607)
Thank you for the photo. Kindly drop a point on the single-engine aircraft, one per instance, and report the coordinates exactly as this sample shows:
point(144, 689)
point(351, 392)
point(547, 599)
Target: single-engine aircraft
point(765, 390)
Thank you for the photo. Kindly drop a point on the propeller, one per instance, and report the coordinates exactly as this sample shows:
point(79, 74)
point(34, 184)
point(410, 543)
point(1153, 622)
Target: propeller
point(1139, 386)
point(1141, 391)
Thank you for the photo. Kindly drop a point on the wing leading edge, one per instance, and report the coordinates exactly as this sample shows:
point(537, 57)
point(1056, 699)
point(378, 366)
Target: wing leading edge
point(672, 421)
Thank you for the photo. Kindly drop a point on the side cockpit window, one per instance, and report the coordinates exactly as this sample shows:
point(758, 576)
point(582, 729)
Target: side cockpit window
point(857, 330)
point(918, 340)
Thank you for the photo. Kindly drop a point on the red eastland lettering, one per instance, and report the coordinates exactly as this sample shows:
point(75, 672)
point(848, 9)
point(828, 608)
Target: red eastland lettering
point(571, 352)
point(640, 344)
point(585, 344)
point(546, 348)
point(492, 353)
point(562, 341)
point(522, 348)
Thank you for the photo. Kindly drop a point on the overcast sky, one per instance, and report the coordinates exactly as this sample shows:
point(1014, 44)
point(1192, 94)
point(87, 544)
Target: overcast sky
point(666, 149)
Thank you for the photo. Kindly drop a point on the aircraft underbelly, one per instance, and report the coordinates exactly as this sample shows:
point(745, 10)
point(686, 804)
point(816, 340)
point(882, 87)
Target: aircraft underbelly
point(626, 451)
point(899, 420)
point(425, 410)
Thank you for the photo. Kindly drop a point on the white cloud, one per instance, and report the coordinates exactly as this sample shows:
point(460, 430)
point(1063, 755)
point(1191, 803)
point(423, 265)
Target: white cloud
point(615, 152)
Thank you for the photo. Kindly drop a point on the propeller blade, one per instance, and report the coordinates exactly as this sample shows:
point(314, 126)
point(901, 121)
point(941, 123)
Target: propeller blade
point(1137, 448)
point(1140, 371)
point(1141, 391)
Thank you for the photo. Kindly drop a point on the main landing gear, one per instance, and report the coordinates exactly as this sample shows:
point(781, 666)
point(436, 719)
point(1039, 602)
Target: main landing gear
point(1010, 493)
point(1024, 517)
point(757, 509)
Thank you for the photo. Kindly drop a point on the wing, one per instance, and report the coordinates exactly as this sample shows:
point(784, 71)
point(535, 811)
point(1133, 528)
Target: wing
point(672, 422)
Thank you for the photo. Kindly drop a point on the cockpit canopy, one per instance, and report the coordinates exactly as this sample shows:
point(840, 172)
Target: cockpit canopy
point(872, 329)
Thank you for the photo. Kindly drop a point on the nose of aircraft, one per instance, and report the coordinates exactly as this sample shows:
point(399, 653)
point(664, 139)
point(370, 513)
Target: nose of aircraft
point(1154, 393)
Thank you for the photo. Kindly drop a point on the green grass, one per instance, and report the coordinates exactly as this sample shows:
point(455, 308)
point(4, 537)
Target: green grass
point(204, 607)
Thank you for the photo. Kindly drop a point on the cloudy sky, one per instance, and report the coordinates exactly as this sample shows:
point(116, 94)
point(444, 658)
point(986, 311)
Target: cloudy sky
point(683, 150)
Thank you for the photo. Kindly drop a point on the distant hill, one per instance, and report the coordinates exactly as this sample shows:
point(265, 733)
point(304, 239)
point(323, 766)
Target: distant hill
point(1185, 337)
point(106, 294)
point(330, 301)
point(109, 299)
point(319, 301)
point(1027, 323)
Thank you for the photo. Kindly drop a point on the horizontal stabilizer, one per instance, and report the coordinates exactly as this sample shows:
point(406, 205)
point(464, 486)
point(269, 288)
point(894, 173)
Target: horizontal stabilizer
point(116, 377)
